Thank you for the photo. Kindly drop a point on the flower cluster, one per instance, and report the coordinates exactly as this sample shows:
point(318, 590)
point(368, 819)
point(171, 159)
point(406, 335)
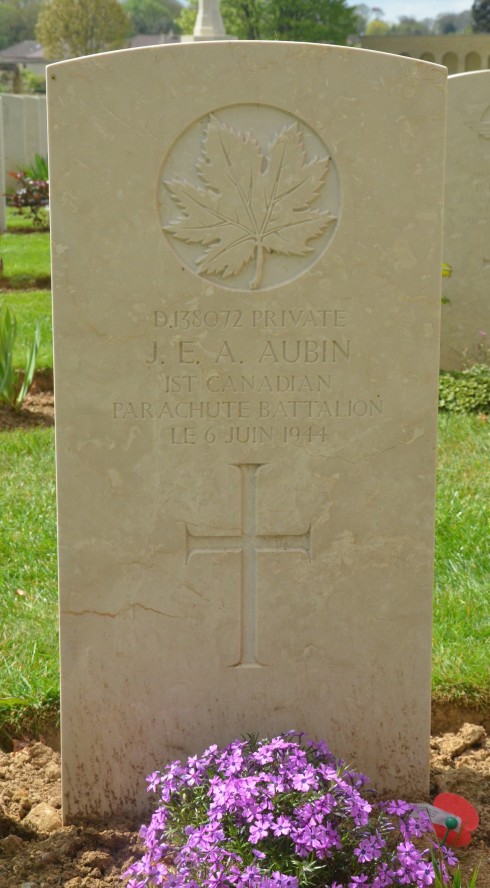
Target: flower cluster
point(280, 813)
point(32, 194)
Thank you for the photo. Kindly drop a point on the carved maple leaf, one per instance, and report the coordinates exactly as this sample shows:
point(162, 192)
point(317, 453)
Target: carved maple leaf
point(250, 203)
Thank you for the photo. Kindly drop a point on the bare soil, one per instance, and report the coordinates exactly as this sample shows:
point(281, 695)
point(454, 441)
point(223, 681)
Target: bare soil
point(37, 409)
point(36, 851)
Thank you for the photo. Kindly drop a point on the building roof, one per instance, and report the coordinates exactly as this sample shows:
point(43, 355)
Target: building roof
point(32, 51)
point(25, 51)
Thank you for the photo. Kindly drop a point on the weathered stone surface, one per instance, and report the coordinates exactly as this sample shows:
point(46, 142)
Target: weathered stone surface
point(247, 303)
point(465, 327)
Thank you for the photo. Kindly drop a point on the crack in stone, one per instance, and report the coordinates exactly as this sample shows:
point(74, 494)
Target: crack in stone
point(95, 613)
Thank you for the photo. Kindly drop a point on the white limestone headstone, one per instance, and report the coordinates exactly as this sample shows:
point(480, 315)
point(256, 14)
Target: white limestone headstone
point(31, 126)
point(14, 136)
point(246, 317)
point(3, 202)
point(465, 328)
point(43, 126)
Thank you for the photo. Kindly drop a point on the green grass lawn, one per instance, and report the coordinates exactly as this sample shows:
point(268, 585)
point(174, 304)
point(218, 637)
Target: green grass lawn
point(26, 260)
point(22, 220)
point(28, 603)
point(461, 665)
point(29, 307)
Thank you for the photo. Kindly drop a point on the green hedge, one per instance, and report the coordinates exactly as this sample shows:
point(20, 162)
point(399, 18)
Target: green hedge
point(465, 391)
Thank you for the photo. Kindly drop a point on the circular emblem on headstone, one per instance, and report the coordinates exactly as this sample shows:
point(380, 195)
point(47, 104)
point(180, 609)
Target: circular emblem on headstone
point(249, 197)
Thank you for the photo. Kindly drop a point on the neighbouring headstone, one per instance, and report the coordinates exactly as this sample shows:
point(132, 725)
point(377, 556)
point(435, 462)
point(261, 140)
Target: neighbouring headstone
point(246, 318)
point(31, 126)
point(465, 328)
point(23, 134)
point(14, 136)
point(43, 126)
point(3, 203)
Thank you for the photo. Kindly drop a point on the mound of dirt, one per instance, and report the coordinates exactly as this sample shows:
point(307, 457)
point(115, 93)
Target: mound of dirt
point(36, 851)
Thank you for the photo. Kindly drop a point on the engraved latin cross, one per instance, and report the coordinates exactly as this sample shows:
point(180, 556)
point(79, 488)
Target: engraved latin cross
point(248, 542)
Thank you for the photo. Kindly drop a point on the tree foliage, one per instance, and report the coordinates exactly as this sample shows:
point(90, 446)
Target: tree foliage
point(70, 28)
point(153, 16)
point(454, 22)
point(409, 25)
point(481, 15)
point(314, 21)
point(18, 21)
point(377, 28)
point(363, 14)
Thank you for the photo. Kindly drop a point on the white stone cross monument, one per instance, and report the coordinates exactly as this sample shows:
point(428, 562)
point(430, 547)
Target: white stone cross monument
point(246, 318)
point(209, 23)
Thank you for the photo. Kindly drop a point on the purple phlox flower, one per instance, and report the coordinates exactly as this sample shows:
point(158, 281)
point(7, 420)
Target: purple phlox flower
point(205, 838)
point(483, 333)
point(251, 812)
point(287, 796)
point(303, 839)
point(423, 822)
point(271, 787)
point(235, 875)
point(260, 829)
point(280, 742)
point(359, 809)
point(328, 772)
point(325, 838)
point(320, 747)
point(151, 865)
point(358, 880)
point(384, 876)
point(316, 811)
point(158, 820)
point(416, 827)
point(217, 878)
point(157, 848)
point(425, 873)
point(209, 755)
point(250, 877)
point(192, 776)
point(153, 780)
point(370, 848)
point(282, 826)
point(235, 794)
point(170, 780)
point(397, 807)
point(355, 779)
point(231, 760)
point(263, 756)
point(407, 853)
point(317, 839)
point(280, 880)
point(305, 780)
point(273, 750)
point(449, 855)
